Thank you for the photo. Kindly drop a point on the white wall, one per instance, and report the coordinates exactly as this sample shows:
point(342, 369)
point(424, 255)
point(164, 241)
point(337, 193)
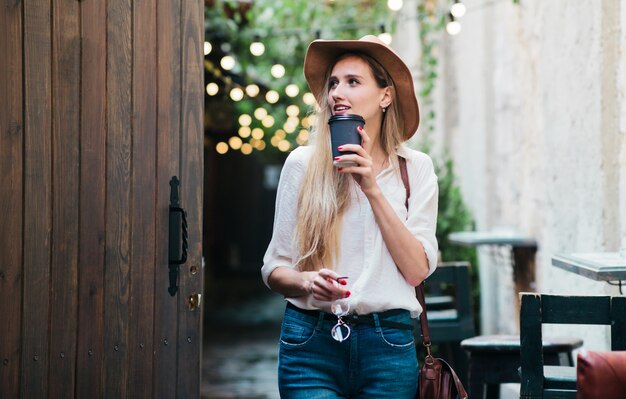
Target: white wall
point(531, 101)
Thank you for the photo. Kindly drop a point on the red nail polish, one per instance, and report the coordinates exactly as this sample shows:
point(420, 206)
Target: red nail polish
point(340, 148)
point(359, 128)
point(343, 282)
point(347, 294)
point(340, 169)
point(336, 158)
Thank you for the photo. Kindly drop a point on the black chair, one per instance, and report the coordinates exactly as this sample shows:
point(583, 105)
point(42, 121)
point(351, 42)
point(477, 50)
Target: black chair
point(495, 360)
point(540, 381)
point(450, 314)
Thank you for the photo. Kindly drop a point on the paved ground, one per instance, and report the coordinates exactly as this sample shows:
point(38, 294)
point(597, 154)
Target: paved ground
point(240, 350)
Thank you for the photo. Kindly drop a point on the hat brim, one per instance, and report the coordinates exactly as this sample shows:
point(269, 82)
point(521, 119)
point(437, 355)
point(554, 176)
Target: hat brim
point(323, 53)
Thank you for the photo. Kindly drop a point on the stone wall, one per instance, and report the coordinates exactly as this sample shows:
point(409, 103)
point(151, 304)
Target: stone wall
point(531, 102)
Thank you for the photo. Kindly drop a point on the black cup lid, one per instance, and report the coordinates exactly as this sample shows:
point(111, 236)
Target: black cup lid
point(346, 117)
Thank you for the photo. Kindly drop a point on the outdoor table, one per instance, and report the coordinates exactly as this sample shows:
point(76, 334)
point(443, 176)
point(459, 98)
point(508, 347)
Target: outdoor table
point(523, 249)
point(602, 266)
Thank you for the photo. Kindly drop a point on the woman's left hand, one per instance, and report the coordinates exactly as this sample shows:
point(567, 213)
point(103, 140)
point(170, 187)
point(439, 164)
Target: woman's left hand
point(363, 172)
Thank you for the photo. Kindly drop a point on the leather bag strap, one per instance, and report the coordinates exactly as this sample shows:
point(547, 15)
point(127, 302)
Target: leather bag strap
point(419, 290)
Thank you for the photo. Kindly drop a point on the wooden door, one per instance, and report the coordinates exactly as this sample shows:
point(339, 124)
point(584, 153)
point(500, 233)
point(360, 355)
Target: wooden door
point(101, 103)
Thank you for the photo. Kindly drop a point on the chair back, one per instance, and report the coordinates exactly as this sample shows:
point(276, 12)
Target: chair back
point(538, 309)
point(449, 303)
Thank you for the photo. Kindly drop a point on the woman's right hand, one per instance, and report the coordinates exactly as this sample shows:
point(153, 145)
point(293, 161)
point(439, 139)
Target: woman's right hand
point(326, 285)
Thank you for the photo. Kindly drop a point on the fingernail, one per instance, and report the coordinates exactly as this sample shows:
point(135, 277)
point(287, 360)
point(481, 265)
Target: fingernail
point(343, 282)
point(340, 148)
point(347, 294)
point(340, 169)
point(359, 128)
point(337, 158)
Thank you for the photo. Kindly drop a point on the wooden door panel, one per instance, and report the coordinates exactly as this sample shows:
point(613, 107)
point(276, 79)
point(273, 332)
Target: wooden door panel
point(11, 137)
point(144, 159)
point(37, 214)
point(93, 151)
point(190, 336)
point(65, 197)
point(104, 106)
point(168, 147)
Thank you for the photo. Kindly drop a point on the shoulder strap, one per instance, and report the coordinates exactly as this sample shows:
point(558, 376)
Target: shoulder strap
point(419, 290)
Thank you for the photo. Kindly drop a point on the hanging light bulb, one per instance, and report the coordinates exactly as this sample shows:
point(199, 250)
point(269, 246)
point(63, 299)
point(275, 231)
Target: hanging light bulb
point(245, 120)
point(453, 27)
point(207, 48)
point(212, 89)
point(252, 90)
point(260, 113)
point(292, 90)
point(308, 98)
point(221, 148)
point(458, 9)
point(278, 71)
point(394, 5)
point(256, 47)
point(292, 110)
point(246, 149)
point(235, 142)
point(227, 62)
point(272, 97)
point(236, 94)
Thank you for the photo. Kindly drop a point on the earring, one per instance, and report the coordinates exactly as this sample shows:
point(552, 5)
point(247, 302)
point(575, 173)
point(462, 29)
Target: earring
point(384, 109)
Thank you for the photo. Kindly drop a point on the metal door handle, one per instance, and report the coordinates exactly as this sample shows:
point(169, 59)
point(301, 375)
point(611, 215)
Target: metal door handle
point(177, 233)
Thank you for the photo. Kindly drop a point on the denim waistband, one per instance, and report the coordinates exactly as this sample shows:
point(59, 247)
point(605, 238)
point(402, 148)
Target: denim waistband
point(356, 319)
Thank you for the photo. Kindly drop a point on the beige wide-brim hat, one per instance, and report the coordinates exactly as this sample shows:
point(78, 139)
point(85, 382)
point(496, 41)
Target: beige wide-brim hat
point(323, 53)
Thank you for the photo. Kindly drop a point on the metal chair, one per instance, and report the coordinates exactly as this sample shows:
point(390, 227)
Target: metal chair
point(539, 381)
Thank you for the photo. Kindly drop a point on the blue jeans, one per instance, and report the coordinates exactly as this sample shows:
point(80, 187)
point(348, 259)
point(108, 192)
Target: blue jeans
point(374, 362)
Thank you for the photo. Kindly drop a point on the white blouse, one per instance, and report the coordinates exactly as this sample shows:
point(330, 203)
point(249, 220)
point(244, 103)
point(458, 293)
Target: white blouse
point(374, 281)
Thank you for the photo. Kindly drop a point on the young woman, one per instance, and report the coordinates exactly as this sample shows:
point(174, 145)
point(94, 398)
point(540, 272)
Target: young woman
point(347, 236)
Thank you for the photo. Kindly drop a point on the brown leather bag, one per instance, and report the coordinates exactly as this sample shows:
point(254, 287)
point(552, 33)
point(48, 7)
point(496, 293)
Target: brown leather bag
point(437, 380)
point(601, 375)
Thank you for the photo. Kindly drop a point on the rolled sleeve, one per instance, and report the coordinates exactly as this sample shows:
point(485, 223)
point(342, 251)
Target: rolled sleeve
point(281, 250)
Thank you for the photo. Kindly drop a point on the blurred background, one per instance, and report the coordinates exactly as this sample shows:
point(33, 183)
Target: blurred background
point(523, 112)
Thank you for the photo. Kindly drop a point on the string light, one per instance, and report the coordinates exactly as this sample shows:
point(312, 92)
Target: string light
point(292, 110)
point(245, 120)
point(256, 47)
point(394, 5)
point(458, 9)
point(284, 145)
point(268, 121)
point(308, 98)
point(244, 132)
point(272, 97)
point(236, 94)
point(292, 90)
point(228, 62)
point(221, 148)
point(212, 89)
point(258, 133)
point(453, 27)
point(246, 149)
point(252, 90)
point(260, 113)
point(235, 142)
point(278, 71)
point(207, 48)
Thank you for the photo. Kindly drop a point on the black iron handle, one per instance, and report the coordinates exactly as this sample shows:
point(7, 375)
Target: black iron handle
point(179, 221)
point(177, 233)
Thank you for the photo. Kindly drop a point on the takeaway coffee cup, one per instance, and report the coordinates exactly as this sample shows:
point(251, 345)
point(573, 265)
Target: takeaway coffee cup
point(343, 130)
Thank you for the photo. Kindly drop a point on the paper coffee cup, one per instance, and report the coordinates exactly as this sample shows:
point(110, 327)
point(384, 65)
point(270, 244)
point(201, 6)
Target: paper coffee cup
point(343, 130)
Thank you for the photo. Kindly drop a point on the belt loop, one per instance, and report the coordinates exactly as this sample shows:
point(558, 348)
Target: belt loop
point(320, 321)
point(376, 322)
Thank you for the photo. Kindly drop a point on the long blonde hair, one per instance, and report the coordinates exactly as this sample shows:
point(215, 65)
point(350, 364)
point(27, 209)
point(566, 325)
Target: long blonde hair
point(325, 193)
